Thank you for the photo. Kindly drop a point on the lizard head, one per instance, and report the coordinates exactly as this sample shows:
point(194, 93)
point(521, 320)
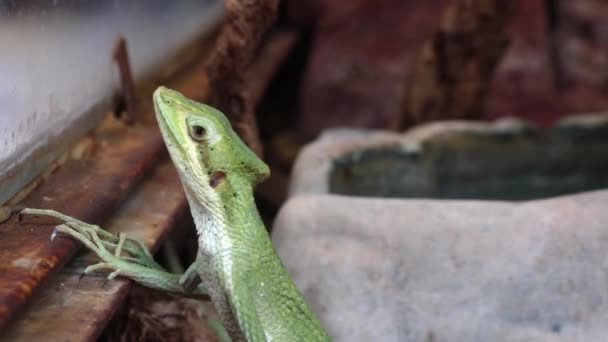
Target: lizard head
point(202, 144)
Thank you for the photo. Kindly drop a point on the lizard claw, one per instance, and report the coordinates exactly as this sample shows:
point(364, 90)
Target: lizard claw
point(54, 234)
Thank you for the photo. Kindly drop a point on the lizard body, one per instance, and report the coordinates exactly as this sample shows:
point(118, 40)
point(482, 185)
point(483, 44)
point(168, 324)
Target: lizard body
point(236, 262)
point(246, 280)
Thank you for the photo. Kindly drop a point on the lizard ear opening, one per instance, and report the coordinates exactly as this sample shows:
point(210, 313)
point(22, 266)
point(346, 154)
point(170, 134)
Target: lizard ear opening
point(216, 178)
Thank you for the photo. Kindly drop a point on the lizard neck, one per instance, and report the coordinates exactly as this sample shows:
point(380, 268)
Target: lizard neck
point(228, 219)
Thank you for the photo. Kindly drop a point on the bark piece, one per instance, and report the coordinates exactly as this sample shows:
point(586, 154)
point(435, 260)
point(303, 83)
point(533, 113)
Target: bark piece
point(246, 23)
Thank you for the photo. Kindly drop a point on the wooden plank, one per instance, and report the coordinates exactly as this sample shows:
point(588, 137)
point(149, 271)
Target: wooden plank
point(89, 189)
point(74, 309)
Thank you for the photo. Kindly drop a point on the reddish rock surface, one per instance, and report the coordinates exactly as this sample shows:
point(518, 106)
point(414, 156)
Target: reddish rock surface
point(363, 52)
point(525, 84)
point(358, 64)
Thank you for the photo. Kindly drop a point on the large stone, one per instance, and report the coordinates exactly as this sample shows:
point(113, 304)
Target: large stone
point(433, 269)
point(507, 159)
point(430, 270)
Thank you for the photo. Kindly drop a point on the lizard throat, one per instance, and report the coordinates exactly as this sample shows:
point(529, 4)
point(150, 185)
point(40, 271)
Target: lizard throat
point(226, 214)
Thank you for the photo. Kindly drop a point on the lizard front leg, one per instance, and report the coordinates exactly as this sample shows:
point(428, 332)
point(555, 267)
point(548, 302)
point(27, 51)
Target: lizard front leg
point(191, 279)
point(137, 262)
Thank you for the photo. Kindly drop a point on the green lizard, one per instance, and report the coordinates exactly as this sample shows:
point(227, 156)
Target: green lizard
point(236, 262)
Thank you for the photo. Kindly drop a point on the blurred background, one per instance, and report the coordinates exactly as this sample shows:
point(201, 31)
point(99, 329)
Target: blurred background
point(353, 103)
point(388, 65)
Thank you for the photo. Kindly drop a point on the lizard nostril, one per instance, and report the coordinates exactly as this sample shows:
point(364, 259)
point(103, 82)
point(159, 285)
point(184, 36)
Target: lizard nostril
point(216, 178)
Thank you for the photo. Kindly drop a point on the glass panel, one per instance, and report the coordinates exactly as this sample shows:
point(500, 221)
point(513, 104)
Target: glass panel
point(56, 66)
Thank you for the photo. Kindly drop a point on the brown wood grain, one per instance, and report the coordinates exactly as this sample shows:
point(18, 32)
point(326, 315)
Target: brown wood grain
point(88, 189)
point(74, 309)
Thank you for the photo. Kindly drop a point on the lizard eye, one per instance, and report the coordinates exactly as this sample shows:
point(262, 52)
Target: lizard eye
point(197, 132)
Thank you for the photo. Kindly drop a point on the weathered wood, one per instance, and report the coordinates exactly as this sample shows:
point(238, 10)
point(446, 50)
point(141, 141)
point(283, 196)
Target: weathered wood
point(74, 309)
point(246, 22)
point(88, 189)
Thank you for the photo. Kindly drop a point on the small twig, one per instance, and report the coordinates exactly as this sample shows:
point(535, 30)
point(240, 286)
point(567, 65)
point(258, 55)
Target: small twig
point(127, 106)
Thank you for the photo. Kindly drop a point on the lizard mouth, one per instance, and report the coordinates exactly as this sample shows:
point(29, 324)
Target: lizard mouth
point(167, 116)
point(172, 111)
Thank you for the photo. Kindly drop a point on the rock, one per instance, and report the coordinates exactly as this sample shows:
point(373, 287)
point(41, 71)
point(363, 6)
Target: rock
point(429, 270)
point(508, 159)
point(417, 269)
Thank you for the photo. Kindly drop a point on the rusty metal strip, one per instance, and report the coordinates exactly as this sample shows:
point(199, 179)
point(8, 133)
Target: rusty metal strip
point(70, 309)
point(89, 189)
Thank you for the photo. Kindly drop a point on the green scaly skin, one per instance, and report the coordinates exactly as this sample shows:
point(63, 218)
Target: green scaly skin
point(237, 264)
